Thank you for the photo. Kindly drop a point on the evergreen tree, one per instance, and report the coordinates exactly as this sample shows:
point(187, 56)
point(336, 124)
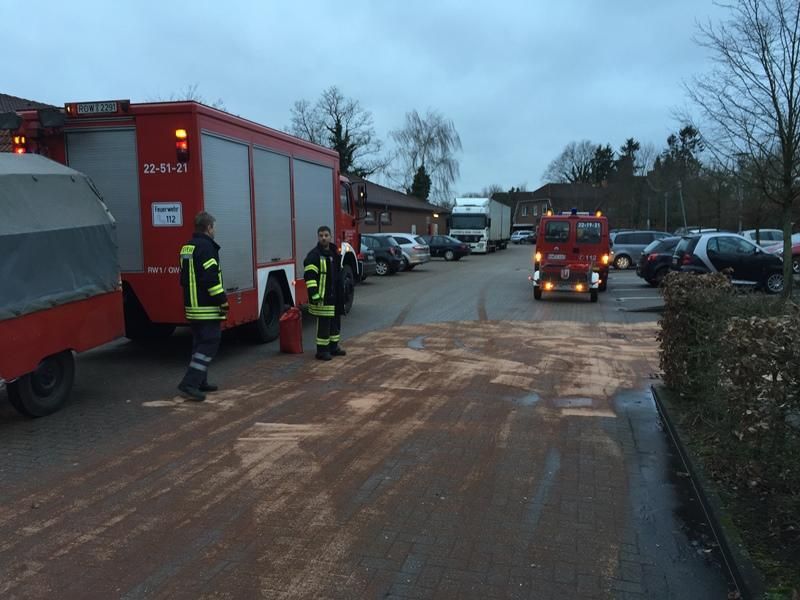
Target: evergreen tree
point(421, 186)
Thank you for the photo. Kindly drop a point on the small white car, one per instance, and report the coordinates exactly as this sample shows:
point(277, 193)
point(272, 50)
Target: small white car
point(766, 237)
point(518, 236)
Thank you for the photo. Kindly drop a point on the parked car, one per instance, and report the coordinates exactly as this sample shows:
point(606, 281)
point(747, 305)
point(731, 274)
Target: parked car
point(628, 245)
point(447, 247)
point(522, 234)
point(778, 249)
point(367, 264)
point(766, 237)
point(415, 249)
point(656, 260)
point(746, 263)
point(388, 254)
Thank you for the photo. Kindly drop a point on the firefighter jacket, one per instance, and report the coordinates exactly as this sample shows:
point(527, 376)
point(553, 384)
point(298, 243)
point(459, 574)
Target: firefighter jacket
point(323, 275)
point(201, 279)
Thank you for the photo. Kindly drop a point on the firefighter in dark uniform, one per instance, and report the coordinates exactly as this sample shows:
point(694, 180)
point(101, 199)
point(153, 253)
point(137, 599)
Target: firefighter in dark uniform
point(322, 271)
point(205, 303)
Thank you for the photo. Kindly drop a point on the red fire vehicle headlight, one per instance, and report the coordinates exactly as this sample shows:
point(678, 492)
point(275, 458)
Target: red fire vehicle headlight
point(182, 145)
point(18, 146)
point(578, 287)
point(548, 286)
point(537, 257)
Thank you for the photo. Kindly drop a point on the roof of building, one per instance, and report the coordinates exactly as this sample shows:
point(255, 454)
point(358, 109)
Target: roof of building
point(378, 195)
point(9, 103)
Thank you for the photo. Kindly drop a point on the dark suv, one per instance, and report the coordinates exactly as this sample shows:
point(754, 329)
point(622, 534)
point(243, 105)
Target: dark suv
point(743, 261)
point(388, 254)
point(656, 259)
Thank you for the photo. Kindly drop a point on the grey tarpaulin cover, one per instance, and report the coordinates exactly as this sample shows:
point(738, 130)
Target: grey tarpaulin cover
point(57, 239)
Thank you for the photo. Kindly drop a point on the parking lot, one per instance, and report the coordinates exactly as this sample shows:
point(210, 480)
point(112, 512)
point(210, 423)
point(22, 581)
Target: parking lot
point(472, 444)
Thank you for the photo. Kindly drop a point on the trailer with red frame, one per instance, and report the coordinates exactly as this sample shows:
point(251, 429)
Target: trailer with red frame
point(158, 164)
point(572, 254)
point(61, 288)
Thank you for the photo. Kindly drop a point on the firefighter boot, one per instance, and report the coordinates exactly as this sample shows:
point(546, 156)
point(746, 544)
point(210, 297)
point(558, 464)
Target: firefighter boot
point(191, 393)
point(337, 351)
point(208, 387)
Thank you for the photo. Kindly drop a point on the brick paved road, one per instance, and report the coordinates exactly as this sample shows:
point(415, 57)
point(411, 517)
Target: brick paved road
point(468, 459)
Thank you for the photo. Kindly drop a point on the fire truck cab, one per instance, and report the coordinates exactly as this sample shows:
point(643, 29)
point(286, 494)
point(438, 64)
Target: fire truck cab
point(573, 253)
point(158, 164)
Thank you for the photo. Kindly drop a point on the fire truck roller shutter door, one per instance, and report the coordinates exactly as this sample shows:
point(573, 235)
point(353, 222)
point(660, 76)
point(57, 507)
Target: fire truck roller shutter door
point(313, 205)
point(226, 192)
point(273, 206)
point(108, 157)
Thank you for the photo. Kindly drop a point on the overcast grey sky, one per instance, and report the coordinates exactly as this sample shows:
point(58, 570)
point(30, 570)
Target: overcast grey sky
point(520, 79)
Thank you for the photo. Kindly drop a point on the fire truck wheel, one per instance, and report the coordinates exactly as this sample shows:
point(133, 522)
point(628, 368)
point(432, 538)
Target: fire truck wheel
point(349, 288)
point(537, 293)
point(45, 390)
point(593, 295)
point(267, 326)
point(449, 255)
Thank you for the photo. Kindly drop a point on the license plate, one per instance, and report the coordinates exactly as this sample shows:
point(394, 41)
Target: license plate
point(96, 108)
point(557, 256)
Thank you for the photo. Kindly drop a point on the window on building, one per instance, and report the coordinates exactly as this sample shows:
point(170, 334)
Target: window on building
point(369, 218)
point(386, 218)
point(524, 210)
point(535, 210)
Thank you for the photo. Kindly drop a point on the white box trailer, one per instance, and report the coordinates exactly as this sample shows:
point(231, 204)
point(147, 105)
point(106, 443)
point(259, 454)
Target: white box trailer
point(483, 223)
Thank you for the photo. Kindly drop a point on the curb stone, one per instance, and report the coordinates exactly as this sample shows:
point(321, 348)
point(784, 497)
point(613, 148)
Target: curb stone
point(747, 578)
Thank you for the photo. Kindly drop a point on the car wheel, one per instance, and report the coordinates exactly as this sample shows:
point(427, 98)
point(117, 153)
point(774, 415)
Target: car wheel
point(796, 265)
point(774, 283)
point(449, 255)
point(622, 262)
point(382, 267)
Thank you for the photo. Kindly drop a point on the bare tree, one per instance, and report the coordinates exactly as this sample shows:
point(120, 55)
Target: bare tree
point(192, 93)
point(342, 124)
point(432, 142)
point(490, 190)
point(573, 165)
point(751, 99)
point(645, 158)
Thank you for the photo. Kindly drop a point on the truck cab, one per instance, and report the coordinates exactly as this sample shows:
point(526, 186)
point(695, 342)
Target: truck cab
point(573, 253)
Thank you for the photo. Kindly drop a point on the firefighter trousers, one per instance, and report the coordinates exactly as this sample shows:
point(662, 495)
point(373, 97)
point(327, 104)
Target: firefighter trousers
point(206, 336)
point(328, 333)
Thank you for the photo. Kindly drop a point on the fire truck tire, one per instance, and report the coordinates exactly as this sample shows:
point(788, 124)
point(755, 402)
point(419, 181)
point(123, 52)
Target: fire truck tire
point(349, 288)
point(267, 326)
point(47, 389)
point(593, 295)
point(537, 293)
point(449, 255)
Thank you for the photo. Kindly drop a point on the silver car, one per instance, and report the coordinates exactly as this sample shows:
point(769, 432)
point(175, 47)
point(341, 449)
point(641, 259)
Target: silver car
point(415, 250)
point(628, 245)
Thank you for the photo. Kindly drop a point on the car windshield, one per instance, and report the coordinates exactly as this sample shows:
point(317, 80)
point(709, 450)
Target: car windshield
point(468, 221)
point(651, 247)
point(420, 240)
point(686, 245)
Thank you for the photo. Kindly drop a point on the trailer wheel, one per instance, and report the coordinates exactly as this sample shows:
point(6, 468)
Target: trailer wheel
point(537, 293)
point(349, 288)
point(45, 390)
point(593, 295)
point(267, 326)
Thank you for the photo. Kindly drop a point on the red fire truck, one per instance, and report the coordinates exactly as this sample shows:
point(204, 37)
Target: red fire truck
point(158, 164)
point(572, 254)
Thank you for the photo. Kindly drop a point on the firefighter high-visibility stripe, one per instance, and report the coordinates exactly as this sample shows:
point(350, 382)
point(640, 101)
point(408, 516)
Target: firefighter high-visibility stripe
point(313, 268)
point(323, 341)
point(336, 338)
point(311, 283)
point(198, 366)
point(192, 284)
point(216, 290)
point(202, 357)
point(210, 263)
point(187, 251)
point(322, 311)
